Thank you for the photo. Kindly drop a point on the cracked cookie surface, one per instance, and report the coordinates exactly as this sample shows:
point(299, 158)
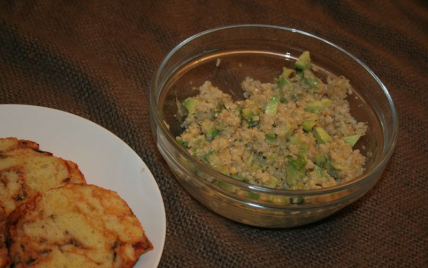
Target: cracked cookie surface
point(24, 171)
point(76, 225)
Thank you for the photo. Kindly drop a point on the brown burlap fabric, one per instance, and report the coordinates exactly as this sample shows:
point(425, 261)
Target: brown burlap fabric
point(96, 59)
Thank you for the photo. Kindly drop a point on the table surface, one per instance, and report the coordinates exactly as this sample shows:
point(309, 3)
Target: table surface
point(96, 59)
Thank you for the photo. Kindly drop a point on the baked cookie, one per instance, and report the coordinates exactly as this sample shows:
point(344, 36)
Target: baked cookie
point(76, 226)
point(24, 171)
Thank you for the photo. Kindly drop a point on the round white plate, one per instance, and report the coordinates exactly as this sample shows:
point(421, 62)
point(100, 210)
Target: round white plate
point(104, 159)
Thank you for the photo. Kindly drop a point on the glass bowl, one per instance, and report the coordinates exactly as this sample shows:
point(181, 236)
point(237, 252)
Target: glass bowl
point(227, 55)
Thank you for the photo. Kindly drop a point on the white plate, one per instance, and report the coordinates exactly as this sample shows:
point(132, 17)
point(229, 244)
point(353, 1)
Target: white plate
point(103, 158)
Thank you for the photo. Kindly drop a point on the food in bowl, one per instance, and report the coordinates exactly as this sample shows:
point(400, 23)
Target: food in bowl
point(225, 56)
point(295, 132)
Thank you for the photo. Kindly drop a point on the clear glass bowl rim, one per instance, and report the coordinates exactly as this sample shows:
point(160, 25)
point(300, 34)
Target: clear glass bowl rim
point(388, 148)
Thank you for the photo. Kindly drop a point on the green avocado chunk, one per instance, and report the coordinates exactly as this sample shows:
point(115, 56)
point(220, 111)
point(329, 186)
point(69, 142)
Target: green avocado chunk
point(248, 113)
point(270, 137)
point(311, 80)
point(287, 73)
point(319, 173)
point(317, 105)
point(304, 61)
point(352, 140)
point(292, 175)
point(338, 166)
point(282, 80)
point(320, 159)
point(308, 125)
point(296, 140)
point(295, 169)
point(272, 106)
point(190, 104)
point(213, 159)
point(321, 135)
point(208, 128)
point(255, 167)
point(304, 65)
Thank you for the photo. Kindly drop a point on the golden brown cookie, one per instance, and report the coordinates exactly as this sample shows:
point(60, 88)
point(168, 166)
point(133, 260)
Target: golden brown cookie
point(77, 225)
point(24, 171)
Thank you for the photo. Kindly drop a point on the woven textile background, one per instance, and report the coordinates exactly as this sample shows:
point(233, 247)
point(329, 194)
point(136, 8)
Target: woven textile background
point(96, 59)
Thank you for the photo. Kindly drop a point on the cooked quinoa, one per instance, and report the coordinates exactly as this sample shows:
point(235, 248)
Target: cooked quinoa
point(295, 132)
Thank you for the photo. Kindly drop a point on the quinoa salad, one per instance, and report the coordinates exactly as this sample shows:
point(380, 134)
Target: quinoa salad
point(295, 132)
